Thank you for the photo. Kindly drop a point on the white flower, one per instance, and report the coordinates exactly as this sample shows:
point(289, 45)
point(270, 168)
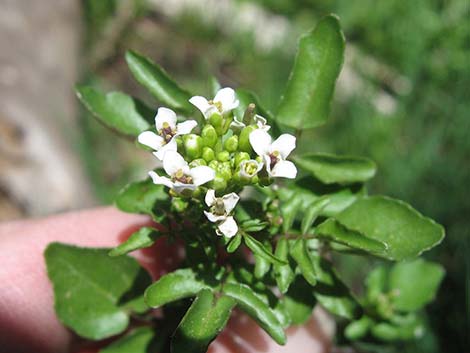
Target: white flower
point(220, 210)
point(259, 121)
point(223, 102)
point(274, 154)
point(167, 130)
point(249, 168)
point(182, 177)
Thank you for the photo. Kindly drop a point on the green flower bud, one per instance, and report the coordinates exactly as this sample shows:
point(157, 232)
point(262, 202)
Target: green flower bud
point(214, 164)
point(244, 140)
point(225, 170)
point(231, 144)
point(197, 162)
point(178, 204)
point(193, 146)
point(223, 156)
point(240, 157)
point(217, 121)
point(209, 136)
point(208, 154)
point(219, 183)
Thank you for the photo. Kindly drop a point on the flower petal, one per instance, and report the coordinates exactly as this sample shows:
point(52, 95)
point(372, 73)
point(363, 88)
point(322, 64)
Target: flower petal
point(159, 180)
point(150, 139)
point(226, 96)
point(260, 141)
point(210, 197)
point(230, 201)
point(237, 125)
point(165, 115)
point(173, 161)
point(261, 123)
point(202, 175)
point(179, 187)
point(284, 169)
point(185, 127)
point(228, 227)
point(170, 146)
point(285, 144)
point(203, 105)
point(213, 217)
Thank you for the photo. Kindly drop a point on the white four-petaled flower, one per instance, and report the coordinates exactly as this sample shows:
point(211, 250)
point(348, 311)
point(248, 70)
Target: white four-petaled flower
point(274, 154)
point(259, 121)
point(223, 102)
point(167, 129)
point(220, 208)
point(182, 177)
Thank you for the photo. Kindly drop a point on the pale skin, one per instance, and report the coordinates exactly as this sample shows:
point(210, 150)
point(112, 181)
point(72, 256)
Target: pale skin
point(27, 319)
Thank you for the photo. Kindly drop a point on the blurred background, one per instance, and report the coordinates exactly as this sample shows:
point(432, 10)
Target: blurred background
point(403, 99)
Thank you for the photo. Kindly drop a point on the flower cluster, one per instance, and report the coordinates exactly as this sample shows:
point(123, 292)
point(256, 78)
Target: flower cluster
point(218, 157)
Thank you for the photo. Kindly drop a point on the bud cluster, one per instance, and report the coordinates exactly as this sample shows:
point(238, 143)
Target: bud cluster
point(218, 157)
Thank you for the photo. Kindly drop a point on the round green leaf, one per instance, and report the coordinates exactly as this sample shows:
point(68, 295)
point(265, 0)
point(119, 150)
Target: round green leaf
point(94, 292)
point(116, 110)
point(404, 231)
point(414, 284)
point(136, 341)
point(140, 197)
point(143, 238)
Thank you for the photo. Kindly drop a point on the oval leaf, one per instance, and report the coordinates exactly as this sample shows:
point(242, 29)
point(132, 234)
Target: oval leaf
point(329, 168)
point(116, 110)
point(306, 101)
point(143, 238)
point(414, 284)
point(255, 307)
point(312, 212)
point(93, 291)
point(335, 231)
point(204, 320)
point(174, 286)
point(299, 301)
point(404, 231)
point(157, 81)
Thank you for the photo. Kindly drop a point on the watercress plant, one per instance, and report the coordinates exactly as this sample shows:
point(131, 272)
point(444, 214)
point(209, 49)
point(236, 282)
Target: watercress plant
point(230, 185)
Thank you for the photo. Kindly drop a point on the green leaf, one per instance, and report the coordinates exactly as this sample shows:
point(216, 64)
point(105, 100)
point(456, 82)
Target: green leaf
point(289, 210)
point(300, 254)
point(254, 306)
point(174, 286)
point(262, 265)
point(260, 250)
point(143, 238)
point(201, 324)
point(414, 283)
point(157, 81)
point(299, 301)
point(331, 292)
point(306, 100)
point(234, 243)
point(116, 110)
point(283, 274)
point(312, 212)
point(405, 232)
point(359, 328)
point(140, 197)
point(330, 168)
point(335, 231)
point(136, 341)
point(94, 292)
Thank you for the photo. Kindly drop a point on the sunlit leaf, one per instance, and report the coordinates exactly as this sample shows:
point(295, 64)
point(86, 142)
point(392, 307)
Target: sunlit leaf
point(143, 238)
point(94, 292)
point(306, 100)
